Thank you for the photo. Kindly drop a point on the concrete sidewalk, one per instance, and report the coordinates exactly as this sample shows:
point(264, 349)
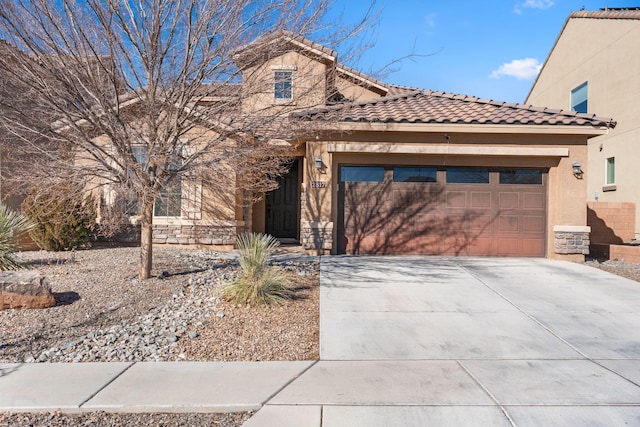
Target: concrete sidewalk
point(407, 341)
point(144, 386)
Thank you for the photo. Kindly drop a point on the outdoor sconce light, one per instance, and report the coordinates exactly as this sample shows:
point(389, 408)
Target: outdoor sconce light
point(577, 172)
point(319, 164)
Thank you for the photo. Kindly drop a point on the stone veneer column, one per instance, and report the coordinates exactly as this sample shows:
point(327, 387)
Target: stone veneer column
point(571, 239)
point(317, 236)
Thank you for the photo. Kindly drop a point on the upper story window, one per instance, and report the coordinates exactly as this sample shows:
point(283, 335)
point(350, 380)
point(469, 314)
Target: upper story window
point(579, 98)
point(611, 171)
point(283, 86)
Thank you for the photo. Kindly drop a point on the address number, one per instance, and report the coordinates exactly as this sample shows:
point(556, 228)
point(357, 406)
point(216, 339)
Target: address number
point(318, 184)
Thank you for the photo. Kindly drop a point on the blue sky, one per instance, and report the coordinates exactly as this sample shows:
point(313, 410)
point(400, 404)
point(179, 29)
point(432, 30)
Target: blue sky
point(486, 48)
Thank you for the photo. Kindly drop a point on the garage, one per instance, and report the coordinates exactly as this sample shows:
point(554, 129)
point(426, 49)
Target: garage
point(438, 210)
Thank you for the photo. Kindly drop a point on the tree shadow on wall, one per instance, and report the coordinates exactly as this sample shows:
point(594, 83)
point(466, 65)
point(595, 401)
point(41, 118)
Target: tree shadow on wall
point(410, 218)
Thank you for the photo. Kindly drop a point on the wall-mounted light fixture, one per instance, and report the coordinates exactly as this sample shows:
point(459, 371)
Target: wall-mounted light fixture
point(319, 164)
point(577, 171)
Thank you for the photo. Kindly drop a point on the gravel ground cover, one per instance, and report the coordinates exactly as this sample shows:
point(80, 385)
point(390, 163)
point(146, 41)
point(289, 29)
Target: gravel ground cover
point(620, 268)
point(102, 419)
point(105, 314)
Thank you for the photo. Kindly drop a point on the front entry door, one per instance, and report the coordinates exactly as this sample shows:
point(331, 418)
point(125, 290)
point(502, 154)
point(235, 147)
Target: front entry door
point(282, 206)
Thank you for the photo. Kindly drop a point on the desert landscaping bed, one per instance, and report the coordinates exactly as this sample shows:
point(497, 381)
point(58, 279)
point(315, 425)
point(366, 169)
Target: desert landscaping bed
point(103, 313)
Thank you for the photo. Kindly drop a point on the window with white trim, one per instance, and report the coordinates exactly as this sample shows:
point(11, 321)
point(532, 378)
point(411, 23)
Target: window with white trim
point(611, 171)
point(283, 85)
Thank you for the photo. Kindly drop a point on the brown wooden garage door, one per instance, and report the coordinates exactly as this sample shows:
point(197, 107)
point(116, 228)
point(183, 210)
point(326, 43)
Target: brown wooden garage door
point(454, 210)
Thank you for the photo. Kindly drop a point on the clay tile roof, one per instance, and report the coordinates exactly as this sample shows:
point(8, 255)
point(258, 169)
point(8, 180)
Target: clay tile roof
point(608, 13)
point(446, 108)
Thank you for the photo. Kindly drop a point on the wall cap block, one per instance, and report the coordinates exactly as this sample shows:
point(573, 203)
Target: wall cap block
point(572, 228)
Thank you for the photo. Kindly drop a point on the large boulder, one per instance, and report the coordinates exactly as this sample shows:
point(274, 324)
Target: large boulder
point(25, 289)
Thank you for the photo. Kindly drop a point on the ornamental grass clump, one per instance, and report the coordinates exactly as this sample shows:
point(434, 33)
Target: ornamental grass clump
point(259, 283)
point(11, 225)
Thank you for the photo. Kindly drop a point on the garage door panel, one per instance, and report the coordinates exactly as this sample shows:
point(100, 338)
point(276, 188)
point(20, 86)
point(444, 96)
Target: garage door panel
point(534, 201)
point(456, 199)
point(507, 246)
point(532, 247)
point(480, 199)
point(478, 222)
point(533, 224)
point(508, 200)
point(508, 223)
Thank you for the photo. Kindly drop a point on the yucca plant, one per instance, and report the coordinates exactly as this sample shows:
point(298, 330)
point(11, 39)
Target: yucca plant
point(259, 283)
point(11, 225)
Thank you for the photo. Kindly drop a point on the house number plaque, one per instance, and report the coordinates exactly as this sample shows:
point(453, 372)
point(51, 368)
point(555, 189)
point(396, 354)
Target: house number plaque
point(318, 184)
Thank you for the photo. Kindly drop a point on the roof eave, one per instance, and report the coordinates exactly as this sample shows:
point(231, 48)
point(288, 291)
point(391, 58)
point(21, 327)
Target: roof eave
point(590, 131)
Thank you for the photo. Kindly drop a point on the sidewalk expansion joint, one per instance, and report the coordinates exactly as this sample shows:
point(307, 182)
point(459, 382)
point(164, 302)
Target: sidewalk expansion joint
point(106, 385)
point(289, 382)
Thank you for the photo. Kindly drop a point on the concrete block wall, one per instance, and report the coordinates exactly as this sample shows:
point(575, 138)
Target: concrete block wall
point(630, 254)
point(611, 222)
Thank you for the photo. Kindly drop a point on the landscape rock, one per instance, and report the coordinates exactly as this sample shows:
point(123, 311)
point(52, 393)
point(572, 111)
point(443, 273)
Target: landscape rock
point(25, 289)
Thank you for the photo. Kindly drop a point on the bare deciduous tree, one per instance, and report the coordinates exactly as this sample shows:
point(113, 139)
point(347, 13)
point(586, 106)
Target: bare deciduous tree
point(139, 95)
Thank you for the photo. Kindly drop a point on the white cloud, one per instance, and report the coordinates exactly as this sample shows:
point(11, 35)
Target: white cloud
point(521, 69)
point(430, 22)
point(533, 4)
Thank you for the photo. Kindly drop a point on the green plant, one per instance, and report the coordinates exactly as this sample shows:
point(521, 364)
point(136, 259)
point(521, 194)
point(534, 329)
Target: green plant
point(63, 218)
point(11, 225)
point(259, 283)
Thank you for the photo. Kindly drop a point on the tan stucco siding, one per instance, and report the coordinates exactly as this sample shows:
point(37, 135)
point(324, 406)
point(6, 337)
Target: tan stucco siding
point(355, 92)
point(604, 53)
point(309, 83)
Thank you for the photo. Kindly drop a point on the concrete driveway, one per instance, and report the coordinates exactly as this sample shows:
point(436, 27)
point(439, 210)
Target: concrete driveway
point(470, 341)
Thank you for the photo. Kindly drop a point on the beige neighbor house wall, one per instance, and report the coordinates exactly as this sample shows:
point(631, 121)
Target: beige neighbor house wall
point(604, 53)
point(565, 192)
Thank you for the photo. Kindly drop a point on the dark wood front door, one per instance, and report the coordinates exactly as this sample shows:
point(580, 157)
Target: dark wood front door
point(282, 206)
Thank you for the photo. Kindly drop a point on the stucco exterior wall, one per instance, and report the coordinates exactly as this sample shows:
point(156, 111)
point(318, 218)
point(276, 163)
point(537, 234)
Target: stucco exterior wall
point(604, 53)
point(354, 92)
point(309, 83)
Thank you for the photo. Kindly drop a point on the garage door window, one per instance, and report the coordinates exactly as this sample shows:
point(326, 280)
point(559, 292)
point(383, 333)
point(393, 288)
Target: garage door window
point(467, 176)
point(521, 176)
point(413, 174)
point(361, 174)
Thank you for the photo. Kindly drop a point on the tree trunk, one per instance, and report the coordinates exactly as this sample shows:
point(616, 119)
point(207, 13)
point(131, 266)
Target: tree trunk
point(146, 240)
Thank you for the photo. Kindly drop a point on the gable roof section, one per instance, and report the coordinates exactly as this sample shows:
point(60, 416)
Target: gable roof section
point(275, 44)
point(446, 108)
point(607, 13)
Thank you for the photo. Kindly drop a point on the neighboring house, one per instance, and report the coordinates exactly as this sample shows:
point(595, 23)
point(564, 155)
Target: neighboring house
point(594, 67)
point(385, 169)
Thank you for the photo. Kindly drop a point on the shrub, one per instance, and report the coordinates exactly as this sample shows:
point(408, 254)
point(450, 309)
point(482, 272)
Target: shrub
point(259, 283)
point(63, 218)
point(11, 225)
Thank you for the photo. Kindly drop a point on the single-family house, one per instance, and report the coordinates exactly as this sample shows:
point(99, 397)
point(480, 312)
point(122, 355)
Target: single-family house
point(593, 68)
point(384, 169)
